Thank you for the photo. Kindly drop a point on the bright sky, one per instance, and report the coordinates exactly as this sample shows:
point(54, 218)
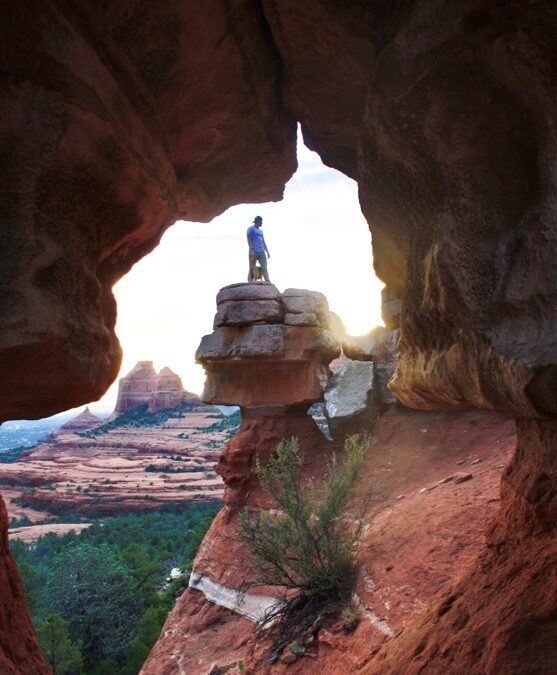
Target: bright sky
point(317, 237)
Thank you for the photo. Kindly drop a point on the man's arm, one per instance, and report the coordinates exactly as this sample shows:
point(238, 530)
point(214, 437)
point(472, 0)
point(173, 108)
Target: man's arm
point(266, 249)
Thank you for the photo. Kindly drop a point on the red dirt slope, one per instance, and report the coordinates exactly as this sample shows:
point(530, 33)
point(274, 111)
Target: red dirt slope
point(413, 547)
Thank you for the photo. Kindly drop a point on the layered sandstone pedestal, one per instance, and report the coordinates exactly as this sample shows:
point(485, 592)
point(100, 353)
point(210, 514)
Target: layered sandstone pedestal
point(269, 354)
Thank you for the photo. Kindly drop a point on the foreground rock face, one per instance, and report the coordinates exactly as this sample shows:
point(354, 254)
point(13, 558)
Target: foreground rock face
point(521, 556)
point(421, 531)
point(19, 650)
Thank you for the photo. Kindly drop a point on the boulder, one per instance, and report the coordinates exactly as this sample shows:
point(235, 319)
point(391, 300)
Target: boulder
point(248, 291)
point(381, 347)
point(245, 312)
point(305, 308)
point(349, 400)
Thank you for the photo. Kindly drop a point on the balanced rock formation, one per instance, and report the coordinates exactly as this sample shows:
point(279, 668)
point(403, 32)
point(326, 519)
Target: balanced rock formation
point(253, 359)
point(274, 372)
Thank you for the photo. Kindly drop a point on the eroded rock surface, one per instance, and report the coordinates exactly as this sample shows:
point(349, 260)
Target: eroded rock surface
point(404, 526)
point(349, 399)
point(443, 112)
point(19, 650)
point(143, 386)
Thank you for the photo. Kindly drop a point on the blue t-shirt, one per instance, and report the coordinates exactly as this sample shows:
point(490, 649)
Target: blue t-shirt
point(256, 239)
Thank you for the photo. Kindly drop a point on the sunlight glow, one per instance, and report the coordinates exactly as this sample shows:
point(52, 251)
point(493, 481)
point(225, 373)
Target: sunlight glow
point(317, 237)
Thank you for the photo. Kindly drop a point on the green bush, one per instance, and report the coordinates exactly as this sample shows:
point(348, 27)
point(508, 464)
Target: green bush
point(308, 548)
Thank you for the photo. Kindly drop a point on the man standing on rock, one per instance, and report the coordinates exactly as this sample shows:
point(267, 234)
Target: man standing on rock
point(257, 249)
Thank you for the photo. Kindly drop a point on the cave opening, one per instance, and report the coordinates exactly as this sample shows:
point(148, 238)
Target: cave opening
point(318, 239)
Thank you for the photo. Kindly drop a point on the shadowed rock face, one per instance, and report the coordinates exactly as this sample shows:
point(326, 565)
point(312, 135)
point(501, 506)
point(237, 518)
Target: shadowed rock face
point(117, 120)
point(19, 651)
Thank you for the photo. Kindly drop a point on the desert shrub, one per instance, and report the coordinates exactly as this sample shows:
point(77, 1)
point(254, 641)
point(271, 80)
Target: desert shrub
point(308, 548)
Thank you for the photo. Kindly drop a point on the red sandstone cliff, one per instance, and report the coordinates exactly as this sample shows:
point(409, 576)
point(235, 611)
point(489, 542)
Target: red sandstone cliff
point(19, 650)
point(144, 386)
point(434, 480)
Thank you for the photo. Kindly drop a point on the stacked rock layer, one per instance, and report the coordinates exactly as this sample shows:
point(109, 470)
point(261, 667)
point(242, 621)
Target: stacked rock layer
point(269, 354)
point(267, 349)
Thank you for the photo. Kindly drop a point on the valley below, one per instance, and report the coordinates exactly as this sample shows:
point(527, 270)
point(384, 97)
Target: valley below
point(138, 462)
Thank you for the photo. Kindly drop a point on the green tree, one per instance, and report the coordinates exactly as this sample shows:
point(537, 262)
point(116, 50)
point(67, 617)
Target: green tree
point(32, 583)
point(308, 547)
point(144, 569)
point(60, 651)
point(94, 590)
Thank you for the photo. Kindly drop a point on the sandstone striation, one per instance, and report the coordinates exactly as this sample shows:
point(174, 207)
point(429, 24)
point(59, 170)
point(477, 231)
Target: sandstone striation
point(263, 362)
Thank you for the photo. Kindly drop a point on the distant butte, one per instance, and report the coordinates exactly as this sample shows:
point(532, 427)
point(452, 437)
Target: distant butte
point(142, 386)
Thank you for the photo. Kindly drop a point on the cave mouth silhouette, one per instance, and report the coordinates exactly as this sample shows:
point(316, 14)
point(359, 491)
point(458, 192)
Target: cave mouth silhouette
point(116, 123)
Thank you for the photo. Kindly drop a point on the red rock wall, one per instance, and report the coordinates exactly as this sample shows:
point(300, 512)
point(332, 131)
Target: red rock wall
point(443, 112)
point(19, 650)
point(500, 618)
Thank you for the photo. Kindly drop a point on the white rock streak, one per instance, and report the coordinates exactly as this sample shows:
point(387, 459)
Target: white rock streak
point(251, 606)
